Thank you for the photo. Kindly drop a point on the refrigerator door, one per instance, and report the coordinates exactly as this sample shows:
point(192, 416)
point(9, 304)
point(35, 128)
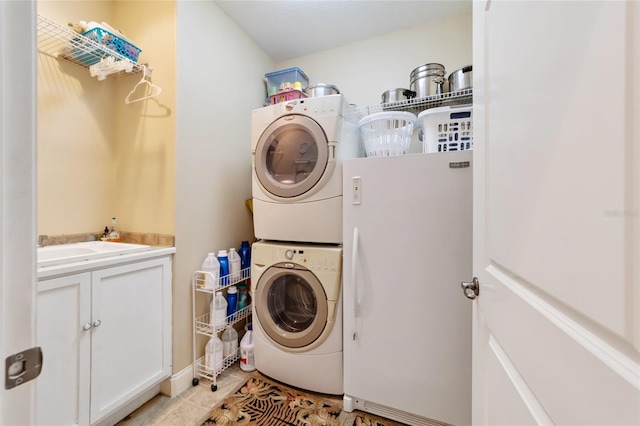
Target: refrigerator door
point(407, 325)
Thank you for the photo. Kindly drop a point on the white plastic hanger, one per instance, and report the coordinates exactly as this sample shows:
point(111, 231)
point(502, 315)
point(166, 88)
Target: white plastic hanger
point(148, 85)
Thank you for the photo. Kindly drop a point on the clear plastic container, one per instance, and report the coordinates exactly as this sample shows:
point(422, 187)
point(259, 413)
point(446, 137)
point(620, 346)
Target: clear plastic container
point(234, 264)
point(218, 311)
point(210, 265)
point(247, 358)
point(286, 79)
point(229, 341)
point(213, 354)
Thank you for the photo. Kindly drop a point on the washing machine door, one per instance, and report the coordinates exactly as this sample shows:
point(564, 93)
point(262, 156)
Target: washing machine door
point(291, 156)
point(291, 305)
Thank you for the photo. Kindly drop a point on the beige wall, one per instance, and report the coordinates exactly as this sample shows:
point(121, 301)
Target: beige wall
point(219, 82)
point(98, 157)
point(364, 70)
point(75, 135)
point(145, 130)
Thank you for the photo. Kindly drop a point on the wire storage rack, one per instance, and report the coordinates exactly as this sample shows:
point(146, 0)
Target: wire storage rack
point(58, 41)
point(206, 325)
point(417, 105)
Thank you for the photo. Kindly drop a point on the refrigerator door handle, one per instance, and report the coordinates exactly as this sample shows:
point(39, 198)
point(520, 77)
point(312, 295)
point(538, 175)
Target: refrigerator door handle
point(354, 263)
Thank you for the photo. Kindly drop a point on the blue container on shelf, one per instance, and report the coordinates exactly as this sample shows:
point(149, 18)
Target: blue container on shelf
point(245, 255)
point(224, 267)
point(287, 79)
point(232, 302)
point(89, 54)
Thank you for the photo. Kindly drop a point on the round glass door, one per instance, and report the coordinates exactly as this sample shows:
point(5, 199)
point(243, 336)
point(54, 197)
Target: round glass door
point(291, 156)
point(291, 306)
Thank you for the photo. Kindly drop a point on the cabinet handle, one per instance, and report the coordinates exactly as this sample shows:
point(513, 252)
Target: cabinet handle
point(97, 323)
point(86, 327)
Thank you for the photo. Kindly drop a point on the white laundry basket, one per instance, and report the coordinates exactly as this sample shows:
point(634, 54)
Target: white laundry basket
point(388, 133)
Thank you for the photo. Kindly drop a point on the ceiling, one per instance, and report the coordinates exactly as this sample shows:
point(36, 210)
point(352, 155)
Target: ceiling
point(288, 29)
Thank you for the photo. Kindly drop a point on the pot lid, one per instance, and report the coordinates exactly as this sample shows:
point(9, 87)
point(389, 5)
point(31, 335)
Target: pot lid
point(323, 86)
point(428, 67)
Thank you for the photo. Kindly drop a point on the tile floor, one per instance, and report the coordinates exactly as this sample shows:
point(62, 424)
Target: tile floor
point(191, 407)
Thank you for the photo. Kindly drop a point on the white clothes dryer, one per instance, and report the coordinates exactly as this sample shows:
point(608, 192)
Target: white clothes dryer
point(297, 314)
point(297, 149)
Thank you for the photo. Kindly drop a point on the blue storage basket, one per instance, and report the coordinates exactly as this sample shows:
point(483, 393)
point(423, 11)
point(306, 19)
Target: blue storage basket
point(90, 55)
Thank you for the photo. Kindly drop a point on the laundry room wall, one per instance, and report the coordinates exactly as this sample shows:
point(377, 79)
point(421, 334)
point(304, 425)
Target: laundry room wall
point(364, 70)
point(219, 83)
point(75, 134)
point(97, 156)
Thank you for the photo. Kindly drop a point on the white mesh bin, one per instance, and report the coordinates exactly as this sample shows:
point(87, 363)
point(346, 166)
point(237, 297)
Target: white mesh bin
point(387, 134)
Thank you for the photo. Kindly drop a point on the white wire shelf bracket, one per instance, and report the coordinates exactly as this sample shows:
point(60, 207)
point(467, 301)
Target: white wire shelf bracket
point(61, 42)
point(417, 105)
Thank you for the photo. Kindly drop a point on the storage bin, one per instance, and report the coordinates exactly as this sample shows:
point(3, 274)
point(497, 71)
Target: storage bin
point(387, 134)
point(90, 55)
point(290, 78)
point(446, 129)
point(287, 95)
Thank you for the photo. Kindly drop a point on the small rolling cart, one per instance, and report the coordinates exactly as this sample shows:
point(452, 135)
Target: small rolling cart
point(204, 324)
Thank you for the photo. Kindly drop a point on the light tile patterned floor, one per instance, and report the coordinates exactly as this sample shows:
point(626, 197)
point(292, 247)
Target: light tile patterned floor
point(191, 407)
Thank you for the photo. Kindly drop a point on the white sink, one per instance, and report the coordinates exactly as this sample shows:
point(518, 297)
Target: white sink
point(77, 252)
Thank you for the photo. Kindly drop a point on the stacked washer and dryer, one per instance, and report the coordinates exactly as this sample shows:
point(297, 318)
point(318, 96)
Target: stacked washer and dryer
point(297, 151)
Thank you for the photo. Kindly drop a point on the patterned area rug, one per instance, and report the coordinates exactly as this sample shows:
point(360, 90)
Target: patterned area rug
point(261, 401)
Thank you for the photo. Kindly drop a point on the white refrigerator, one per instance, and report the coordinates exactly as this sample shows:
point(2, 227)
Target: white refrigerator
point(407, 324)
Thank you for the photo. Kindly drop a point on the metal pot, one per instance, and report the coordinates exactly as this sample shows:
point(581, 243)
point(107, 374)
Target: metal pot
point(322, 90)
point(397, 95)
point(428, 80)
point(461, 79)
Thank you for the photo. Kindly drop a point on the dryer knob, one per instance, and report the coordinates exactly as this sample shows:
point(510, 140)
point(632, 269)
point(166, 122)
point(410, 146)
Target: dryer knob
point(289, 254)
point(289, 106)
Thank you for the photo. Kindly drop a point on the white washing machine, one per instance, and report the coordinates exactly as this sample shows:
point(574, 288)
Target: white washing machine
point(297, 149)
point(297, 314)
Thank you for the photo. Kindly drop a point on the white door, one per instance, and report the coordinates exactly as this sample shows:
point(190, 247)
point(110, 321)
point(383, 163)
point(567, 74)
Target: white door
point(556, 212)
point(17, 202)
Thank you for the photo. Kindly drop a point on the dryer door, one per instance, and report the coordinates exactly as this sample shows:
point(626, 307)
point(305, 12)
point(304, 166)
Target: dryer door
point(291, 156)
point(291, 305)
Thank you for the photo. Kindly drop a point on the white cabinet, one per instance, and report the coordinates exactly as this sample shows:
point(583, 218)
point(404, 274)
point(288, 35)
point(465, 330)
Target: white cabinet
point(106, 339)
point(63, 309)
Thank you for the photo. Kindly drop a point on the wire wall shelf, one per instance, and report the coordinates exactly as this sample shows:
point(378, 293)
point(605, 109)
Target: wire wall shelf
point(417, 105)
point(61, 42)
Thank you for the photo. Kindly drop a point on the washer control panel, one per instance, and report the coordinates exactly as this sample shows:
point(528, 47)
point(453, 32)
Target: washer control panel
point(311, 259)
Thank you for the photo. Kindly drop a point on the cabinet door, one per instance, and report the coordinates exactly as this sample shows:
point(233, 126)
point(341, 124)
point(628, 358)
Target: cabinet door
point(131, 345)
point(62, 390)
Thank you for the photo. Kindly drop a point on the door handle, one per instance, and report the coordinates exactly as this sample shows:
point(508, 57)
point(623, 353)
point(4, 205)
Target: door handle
point(471, 290)
point(97, 323)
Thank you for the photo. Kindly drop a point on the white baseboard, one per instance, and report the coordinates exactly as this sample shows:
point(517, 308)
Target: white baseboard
point(177, 383)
